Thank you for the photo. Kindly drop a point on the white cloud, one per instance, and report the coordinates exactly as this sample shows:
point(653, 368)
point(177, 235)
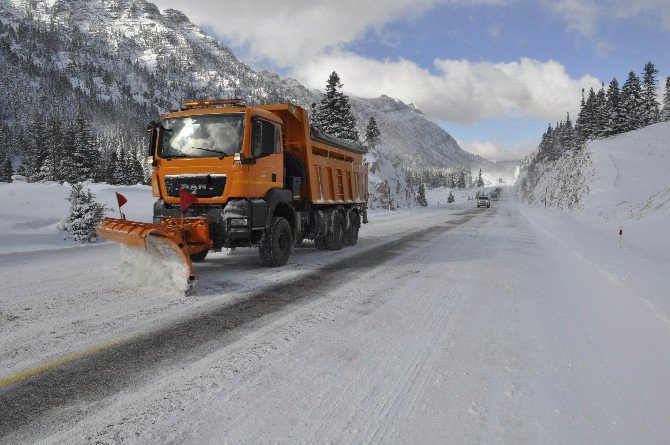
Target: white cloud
point(657, 9)
point(586, 17)
point(459, 91)
point(581, 16)
point(306, 38)
point(288, 32)
point(494, 152)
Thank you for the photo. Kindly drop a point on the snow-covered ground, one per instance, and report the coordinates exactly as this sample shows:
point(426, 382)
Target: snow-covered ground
point(30, 212)
point(446, 324)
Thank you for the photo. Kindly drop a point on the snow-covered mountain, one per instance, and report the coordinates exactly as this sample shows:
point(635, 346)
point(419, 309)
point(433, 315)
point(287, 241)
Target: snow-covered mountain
point(125, 60)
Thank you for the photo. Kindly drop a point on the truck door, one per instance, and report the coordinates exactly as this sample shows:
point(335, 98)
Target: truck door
point(266, 148)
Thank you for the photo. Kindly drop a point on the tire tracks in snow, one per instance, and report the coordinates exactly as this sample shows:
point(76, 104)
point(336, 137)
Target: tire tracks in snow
point(73, 389)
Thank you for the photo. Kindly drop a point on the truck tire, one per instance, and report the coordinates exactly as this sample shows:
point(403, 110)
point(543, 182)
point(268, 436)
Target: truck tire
point(199, 257)
point(352, 233)
point(334, 240)
point(277, 244)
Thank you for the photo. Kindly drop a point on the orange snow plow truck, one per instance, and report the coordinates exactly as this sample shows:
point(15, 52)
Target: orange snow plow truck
point(262, 177)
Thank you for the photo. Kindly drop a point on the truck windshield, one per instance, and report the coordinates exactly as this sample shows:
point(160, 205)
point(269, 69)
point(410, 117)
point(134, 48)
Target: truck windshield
point(202, 136)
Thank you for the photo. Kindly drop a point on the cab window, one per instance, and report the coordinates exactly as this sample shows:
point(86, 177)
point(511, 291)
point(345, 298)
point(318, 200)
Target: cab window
point(266, 138)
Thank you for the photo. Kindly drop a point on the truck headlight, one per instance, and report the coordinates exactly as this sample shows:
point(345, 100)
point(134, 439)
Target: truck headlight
point(239, 222)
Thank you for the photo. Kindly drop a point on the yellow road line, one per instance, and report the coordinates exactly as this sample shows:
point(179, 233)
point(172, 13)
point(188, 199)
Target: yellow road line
point(61, 361)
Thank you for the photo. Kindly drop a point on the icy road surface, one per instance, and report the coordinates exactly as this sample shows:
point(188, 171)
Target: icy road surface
point(443, 325)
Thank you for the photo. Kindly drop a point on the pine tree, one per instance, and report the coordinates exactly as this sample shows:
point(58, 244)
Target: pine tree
point(110, 168)
point(666, 101)
point(372, 134)
point(68, 166)
point(37, 148)
point(579, 124)
point(462, 182)
point(632, 103)
point(544, 150)
point(615, 111)
point(128, 170)
point(601, 113)
point(588, 118)
point(51, 167)
point(480, 179)
point(650, 111)
point(120, 176)
point(4, 145)
point(6, 171)
point(555, 148)
point(84, 215)
point(468, 178)
point(85, 152)
point(135, 172)
point(421, 196)
point(567, 137)
point(384, 192)
point(334, 115)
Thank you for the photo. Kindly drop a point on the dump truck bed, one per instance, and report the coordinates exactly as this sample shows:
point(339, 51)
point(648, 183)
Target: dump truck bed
point(336, 173)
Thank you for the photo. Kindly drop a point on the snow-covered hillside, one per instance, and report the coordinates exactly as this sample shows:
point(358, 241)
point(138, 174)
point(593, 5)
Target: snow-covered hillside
point(622, 182)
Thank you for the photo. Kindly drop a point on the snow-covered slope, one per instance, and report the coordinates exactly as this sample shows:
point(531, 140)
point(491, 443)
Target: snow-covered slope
point(622, 181)
point(406, 132)
point(631, 174)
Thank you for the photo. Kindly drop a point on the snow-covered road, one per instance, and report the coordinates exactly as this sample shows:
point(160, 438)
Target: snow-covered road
point(441, 326)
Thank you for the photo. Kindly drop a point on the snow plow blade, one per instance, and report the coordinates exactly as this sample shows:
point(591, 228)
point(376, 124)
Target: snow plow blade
point(171, 243)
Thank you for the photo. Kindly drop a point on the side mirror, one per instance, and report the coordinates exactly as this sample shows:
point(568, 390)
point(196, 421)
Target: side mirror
point(239, 158)
point(152, 129)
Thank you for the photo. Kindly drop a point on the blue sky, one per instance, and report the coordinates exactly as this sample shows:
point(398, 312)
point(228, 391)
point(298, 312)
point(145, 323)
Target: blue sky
point(491, 72)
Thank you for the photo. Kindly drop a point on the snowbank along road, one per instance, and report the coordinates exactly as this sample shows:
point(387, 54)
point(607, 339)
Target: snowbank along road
point(449, 324)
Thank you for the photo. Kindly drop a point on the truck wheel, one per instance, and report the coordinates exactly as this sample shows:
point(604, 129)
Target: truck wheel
point(199, 257)
point(335, 238)
point(352, 233)
point(277, 244)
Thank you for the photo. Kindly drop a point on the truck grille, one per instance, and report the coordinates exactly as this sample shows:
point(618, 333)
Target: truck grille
point(202, 186)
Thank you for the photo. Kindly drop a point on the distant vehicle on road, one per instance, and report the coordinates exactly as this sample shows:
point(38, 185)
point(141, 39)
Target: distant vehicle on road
point(483, 201)
point(494, 196)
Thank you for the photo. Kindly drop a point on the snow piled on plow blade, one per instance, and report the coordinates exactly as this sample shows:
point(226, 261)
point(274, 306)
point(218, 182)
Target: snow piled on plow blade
point(156, 266)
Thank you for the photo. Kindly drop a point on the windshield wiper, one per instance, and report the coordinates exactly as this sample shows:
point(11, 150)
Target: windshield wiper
point(223, 153)
point(176, 156)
